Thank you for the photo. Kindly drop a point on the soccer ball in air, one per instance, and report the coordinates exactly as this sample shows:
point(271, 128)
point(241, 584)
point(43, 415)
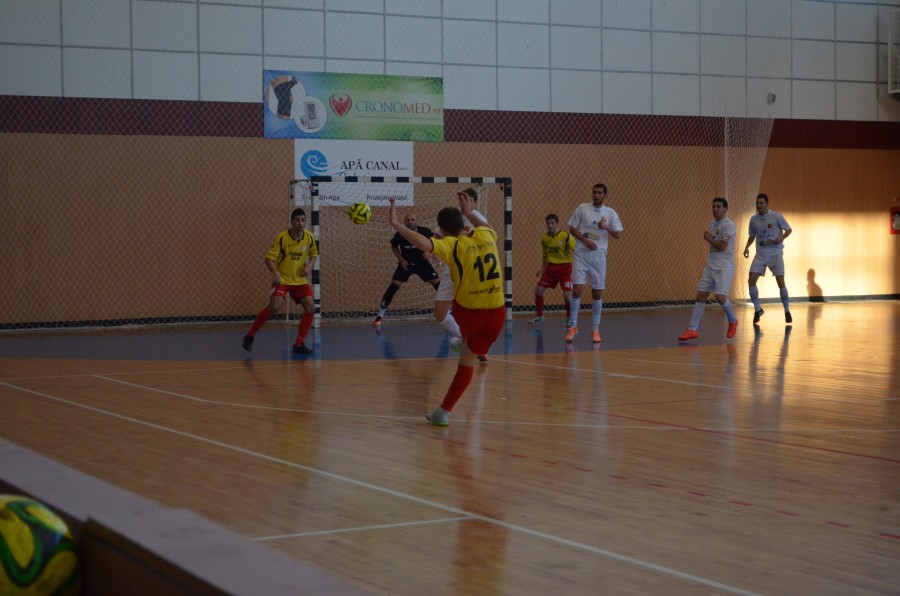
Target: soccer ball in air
point(37, 552)
point(360, 213)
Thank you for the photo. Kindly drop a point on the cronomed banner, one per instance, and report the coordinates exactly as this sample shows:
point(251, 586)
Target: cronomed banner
point(315, 105)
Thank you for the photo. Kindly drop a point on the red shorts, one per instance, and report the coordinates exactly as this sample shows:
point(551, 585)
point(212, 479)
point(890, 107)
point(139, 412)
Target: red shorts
point(557, 273)
point(479, 327)
point(296, 292)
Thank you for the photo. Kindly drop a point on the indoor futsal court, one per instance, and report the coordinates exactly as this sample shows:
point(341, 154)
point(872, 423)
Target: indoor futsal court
point(765, 464)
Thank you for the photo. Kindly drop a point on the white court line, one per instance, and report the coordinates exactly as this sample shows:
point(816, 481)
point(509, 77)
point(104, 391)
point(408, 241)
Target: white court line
point(387, 491)
point(684, 364)
point(676, 382)
point(236, 368)
point(364, 528)
point(355, 414)
point(615, 375)
point(653, 427)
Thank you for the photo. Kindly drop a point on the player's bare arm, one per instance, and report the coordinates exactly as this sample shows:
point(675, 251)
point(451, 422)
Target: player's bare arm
point(750, 241)
point(782, 236)
point(418, 240)
point(467, 206)
point(400, 258)
point(719, 245)
point(611, 231)
point(307, 271)
point(273, 269)
point(587, 241)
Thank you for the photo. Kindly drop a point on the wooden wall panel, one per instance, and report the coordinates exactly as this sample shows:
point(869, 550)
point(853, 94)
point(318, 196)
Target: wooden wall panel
point(838, 202)
point(184, 222)
point(92, 220)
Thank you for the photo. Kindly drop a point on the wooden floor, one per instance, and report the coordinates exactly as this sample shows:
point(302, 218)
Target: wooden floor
point(769, 464)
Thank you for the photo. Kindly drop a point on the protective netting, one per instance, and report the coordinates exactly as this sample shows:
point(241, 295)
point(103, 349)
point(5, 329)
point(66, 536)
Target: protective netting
point(662, 173)
point(356, 263)
point(144, 212)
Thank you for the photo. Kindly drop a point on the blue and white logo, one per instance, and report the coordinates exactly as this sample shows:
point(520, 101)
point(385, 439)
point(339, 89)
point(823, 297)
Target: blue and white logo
point(313, 163)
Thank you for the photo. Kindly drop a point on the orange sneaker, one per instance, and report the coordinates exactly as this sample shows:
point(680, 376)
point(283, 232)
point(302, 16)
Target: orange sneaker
point(595, 336)
point(732, 329)
point(689, 334)
point(571, 333)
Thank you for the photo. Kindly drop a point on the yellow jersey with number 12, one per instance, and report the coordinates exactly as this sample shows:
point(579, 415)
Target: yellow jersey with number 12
point(474, 267)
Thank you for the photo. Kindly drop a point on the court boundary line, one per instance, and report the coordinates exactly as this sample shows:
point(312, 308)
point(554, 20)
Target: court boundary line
point(423, 522)
point(650, 425)
point(608, 554)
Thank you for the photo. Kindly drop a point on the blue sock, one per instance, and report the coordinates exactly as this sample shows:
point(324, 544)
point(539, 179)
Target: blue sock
point(596, 311)
point(754, 297)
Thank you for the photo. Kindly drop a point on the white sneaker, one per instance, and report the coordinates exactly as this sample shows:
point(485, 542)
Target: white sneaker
point(535, 320)
point(456, 344)
point(440, 417)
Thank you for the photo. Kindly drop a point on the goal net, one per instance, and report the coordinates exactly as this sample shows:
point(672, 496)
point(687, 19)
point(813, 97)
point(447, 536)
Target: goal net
point(356, 263)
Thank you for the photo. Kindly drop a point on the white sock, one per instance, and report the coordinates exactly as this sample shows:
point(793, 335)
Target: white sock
point(729, 311)
point(596, 311)
point(573, 314)
point(696, 315)
point(449, 323)
point(785, 300)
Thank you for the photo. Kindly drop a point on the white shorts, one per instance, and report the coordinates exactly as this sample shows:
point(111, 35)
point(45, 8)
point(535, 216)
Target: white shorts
point(590, 266)
point(775, 263)
point(446, 290)
point(717, 281)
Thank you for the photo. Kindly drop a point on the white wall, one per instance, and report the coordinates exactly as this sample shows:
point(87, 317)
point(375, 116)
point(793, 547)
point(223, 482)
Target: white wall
point(822, 59)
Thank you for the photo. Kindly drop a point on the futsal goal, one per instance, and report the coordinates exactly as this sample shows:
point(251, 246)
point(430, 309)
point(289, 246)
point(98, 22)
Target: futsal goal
point(356, 263)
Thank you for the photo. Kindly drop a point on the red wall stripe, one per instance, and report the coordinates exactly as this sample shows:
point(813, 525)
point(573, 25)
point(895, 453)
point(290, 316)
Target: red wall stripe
point(72, 115)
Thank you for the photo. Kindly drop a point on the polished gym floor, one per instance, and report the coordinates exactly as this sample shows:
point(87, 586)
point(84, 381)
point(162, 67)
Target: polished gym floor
point(764, 464)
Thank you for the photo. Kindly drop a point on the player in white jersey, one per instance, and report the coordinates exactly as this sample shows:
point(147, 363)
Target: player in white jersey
point(719, 270)
point(769, 229)
point(591, 224)
point(443, 299)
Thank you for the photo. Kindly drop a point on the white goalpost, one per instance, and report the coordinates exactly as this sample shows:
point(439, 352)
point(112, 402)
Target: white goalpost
point(356, 263)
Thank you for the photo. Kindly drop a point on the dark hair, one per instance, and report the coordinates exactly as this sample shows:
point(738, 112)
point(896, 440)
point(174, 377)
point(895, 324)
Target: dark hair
point(764, 196)
point(721, 200)
point(450, 220)
point(552, 216)
point(600, 185)
point(297, 211)
point(471, 192)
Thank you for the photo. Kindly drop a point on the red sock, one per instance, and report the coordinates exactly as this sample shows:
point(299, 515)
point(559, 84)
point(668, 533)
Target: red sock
point(461, 380)
point(306, 322)
point(568, 309)
point(539, 303)
point(261, 319)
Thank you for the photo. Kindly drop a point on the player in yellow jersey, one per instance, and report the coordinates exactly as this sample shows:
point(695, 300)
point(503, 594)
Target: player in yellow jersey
point(290, 260)
point(478, 301)
point(556, 252)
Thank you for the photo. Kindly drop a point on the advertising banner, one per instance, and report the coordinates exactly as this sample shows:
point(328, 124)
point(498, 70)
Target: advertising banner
point(391, 159)
point(313, 105)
